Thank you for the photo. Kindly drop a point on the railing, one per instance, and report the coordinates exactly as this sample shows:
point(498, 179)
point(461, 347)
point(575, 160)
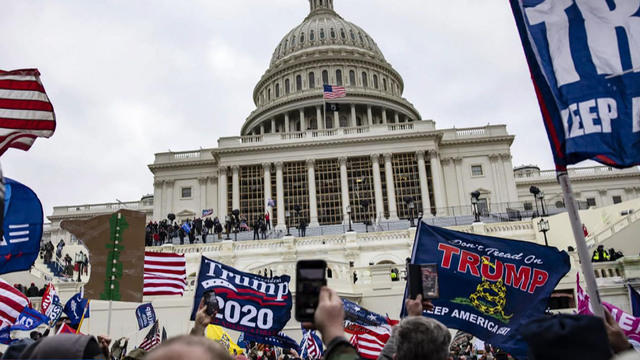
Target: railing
point(580, 172)
point(294, 135)
point(398, 127)
point(251, 139)
point(186, 155)
point(623, 223)
point(57, 210)
point(471, 132)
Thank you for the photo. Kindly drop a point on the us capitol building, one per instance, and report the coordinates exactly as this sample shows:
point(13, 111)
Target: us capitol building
point(375, 147)
point(370, 159)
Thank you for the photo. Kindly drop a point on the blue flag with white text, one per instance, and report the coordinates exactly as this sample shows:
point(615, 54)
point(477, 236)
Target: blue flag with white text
point(28, 319)
point(146, 315)
point(584, 58)
point(23, 219)
point(635, 301)
point(249, 303)
point(489, 286)
point(74, 308)
point(279, 340)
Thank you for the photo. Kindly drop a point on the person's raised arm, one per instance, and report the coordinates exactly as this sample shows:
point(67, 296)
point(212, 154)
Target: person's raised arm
point(202, 320)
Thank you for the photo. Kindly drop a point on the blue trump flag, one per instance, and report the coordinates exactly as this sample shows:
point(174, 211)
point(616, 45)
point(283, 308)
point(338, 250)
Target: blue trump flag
point(635, 301)
point(22, 228)
point(489, 286)
point(248, 303)
point(74, 308)
point(28, 319)
point(280, 340)
point(584, 61)
point(146, 315)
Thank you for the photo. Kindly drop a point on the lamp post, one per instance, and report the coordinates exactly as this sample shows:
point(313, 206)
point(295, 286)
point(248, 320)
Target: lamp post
point(474, 203)
point(349, 214)
point(408, 200)
point(365, 209)
point(287, 214)
point(235, 220)
point(540, 196)
point(535, 191)
point(79, 261)
point(543, 227)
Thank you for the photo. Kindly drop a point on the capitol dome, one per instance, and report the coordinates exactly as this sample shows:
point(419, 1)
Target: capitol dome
point(325, 49)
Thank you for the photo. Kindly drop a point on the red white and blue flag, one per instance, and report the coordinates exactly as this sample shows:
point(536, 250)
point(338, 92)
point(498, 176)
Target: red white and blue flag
point(25, 110)
point(12, 303)
point(334, 92)
point(311, 345)
point(164, 274)
point(370, 342)
point(584, 59)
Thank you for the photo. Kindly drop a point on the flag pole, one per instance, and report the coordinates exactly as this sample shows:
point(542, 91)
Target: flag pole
point(581, 244)
point(84, 312)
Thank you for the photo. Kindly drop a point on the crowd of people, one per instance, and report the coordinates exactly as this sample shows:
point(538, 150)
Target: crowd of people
point(31, 291)
point(603, 255)
point(414, 337)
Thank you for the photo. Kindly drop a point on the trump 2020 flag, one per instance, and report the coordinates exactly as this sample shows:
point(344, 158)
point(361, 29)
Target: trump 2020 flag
point(146, 315)
point(248, 303)
point(584, 57)
point(489, 286)
point(22, 228)
point(74, 308)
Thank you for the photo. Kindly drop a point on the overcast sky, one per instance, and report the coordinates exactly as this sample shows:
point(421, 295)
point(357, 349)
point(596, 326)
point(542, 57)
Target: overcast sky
point(129, 79)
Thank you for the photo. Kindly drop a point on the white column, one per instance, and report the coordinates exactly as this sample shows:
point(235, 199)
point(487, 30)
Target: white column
point(303, 125)
point(336, 120)
point(319, 117)
point(377, 187)
point(497, 186)
point(222, 193)
point(313, 205)
point(280, 197)
point(391, 188)
point(267, 190)
point(369, 115)
point(273, 125)
point(438, 184)
point(424, 184)
point(457, 166)
point(158, 211)
point(235, 188)
point(353, 116)
point(396, 118)
point(203, 192)
point(344, 188)
point(170, 194)
point(509, 178)
point(262, 128)
point(384, 115)
point(286, 123)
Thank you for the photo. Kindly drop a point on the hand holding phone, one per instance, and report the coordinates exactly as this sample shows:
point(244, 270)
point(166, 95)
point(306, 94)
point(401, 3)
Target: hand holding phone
point(423, 280)
point(211, 302)
point(310, 278)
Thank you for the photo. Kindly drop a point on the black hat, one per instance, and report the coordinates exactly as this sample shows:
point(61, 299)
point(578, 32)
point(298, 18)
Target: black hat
point(567, 337)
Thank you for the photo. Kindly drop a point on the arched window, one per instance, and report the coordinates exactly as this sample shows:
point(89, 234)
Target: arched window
point(312, 35)
point(298, 83)
point(269, 95)
point(343, 121)
point(277, 90)
point(352, 78)
point(301, 38)
point(365, 82)
point(322, 34)
point(312, 80)
point(360, 36)
point(325, 77)
point(339, 77)
point(384, 84)
point(333, 33)
point(286, 86)
point(375, 81)
point(353, 36)
point(342, 34)
point(293, 41)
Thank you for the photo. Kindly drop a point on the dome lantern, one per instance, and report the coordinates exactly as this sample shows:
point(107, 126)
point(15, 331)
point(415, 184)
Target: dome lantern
point(321, 4)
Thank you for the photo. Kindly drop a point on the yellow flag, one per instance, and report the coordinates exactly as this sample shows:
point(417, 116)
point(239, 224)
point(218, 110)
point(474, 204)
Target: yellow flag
point(215, 332)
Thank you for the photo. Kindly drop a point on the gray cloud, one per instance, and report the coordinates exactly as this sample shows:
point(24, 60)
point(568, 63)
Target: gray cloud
point(129, 79)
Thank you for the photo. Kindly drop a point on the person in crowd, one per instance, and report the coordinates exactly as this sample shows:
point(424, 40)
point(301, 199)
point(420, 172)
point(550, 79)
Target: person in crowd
point(189, 347)
point(600, 255)
point(267, 220)
point(181, 234)
point(263, 229)
point(256, 229)
point(32, 291)
point(218, 228)
point(302, 228)
point(192, 236)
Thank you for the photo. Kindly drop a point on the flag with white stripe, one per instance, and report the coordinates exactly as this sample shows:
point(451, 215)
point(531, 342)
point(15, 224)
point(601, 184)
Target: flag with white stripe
point(12, 303)
point(164, 273)
point(311, 345)
point(334, 92)
point(152, 339)
point(369, 344)
point(25, 110)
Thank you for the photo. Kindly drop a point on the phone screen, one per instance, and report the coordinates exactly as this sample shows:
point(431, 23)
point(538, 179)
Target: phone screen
point(211, 302)
point(310, 278)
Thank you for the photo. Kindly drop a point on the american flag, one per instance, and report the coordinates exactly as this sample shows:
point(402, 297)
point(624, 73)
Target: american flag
point(311, 345)
point(25, 110)
point(370, 344)
point(152, 339)
point(164, 273)
point(12, 302)
point(334, 92)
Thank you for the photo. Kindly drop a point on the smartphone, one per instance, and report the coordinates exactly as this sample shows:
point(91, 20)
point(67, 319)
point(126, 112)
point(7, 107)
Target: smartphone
point(211, 302)
point(310, 278)
point(423, 279)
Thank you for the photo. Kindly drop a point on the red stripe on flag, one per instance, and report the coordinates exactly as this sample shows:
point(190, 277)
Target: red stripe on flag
point(37, 105)
point(158, 254)
point(164, 277)
point(20, 124)
point(20, 85)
